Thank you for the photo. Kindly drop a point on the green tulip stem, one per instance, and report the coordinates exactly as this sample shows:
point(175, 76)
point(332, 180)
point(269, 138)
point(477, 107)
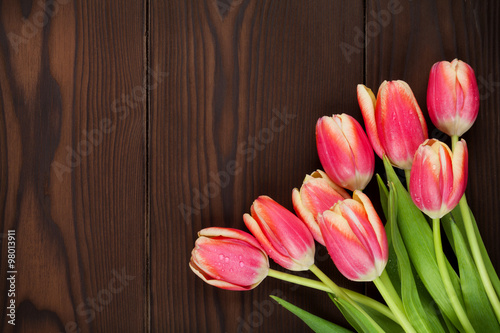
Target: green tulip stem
point(478, 259)
point(454, 140)
point(443, 270)
point(386, 289)
point(371, 303)
point(299, 280)
point(357, 297)
point(407, 176)
point(341, 294)
point(328, 282)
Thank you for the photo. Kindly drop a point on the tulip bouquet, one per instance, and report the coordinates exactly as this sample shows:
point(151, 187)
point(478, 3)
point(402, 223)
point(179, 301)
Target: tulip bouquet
point(404, 256)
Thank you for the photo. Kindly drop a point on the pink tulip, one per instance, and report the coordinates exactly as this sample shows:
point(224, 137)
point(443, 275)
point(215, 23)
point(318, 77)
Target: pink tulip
point(452, 97)
point(355, 238)
point(344, 151)
point(229, 259)
point(438, 177)
point(394, 122)
point(317, 194)
point(283, 235)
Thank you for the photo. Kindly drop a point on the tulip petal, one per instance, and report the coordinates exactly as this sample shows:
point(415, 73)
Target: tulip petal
point(470, 91)
point(441, 96)
point(318, 196)
point(287, 227)
point(424, 180)
point(334, 151)
point(460, 174)
point(229, 263)
point(400, 122)
point(230, 233)
point(362, 152)
point(367, 103)
point(355, 214)
point(281, 259)
point(418, 112)
point(377, 227)
point(445, 175)
point(321, 174)
point(307, 216)
point(283, 235)
point(349, 255)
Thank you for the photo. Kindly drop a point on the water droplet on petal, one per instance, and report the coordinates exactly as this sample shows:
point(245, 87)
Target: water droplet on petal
point(221, 256)
point(242, 264)
point(226, 259)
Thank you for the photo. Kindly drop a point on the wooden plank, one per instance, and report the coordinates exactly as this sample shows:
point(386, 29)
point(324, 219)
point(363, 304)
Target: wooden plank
point(234, 69)
point(409, 42)
point(72, 157)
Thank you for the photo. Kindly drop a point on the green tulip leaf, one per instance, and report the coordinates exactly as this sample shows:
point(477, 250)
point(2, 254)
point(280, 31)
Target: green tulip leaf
point(457, 217)
point(387, 324)
point(357, 319)
point(409, 293)
point(392, 263)
point(317, 324)
point(476, 301)
point(418, 240)
point(384, 194)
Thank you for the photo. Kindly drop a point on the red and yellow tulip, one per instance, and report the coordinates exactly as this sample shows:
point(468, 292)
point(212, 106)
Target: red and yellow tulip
point(284, 236)
point(317, 194)
point(344, 151)
point(229, 259)
point(452, 97)
point(394, 122)
point(355, 238)
point(438, 177)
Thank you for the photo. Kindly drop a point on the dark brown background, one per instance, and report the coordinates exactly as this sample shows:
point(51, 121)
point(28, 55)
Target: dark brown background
point(172, 93)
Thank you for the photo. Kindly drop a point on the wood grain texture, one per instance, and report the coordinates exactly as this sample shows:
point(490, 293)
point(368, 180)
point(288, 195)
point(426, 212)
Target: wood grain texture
point(73, 164)
point(235, 71)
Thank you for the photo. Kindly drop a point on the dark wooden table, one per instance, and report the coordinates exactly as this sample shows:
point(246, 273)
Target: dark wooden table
point(117, 118)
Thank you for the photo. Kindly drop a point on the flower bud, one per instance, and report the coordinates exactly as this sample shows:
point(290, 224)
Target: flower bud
point(317, 194)
point(283, 235)
point(344, 151)
point(355, 238)
point(452, 97)
point(438, 177)
point(229, 259)
point(394, 122)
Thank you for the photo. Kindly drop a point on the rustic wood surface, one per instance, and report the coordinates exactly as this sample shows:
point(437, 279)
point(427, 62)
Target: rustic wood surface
point(73, 165)
point(127, 126)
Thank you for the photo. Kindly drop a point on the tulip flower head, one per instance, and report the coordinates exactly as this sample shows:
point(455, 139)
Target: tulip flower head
point(355, 238)
point(438, 177)
point(452, 97)
point(229, 259)
point(317, 194)
point(282, 235)
point(344, 151)
point(394, 122)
